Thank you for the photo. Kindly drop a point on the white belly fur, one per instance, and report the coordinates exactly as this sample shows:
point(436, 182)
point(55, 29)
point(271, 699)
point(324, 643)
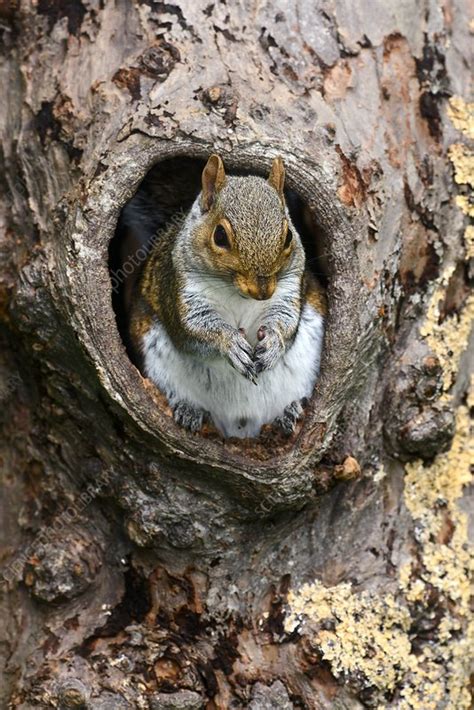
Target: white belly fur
point(238, 407)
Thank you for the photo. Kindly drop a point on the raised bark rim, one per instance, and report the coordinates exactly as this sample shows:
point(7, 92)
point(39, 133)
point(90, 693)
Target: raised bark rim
point(89, 230)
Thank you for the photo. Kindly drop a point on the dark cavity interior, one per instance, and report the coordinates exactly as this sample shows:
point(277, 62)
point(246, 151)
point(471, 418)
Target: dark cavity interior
point(170, 186)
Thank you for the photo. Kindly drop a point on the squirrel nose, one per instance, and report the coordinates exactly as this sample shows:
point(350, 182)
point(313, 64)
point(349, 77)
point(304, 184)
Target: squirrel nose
point(260, 287)
point(265, 287)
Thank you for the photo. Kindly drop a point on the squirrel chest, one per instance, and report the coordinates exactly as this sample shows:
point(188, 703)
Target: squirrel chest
point(236, 405)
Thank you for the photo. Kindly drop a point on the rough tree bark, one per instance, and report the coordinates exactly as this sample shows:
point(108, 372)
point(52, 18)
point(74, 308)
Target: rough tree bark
point(146, 567)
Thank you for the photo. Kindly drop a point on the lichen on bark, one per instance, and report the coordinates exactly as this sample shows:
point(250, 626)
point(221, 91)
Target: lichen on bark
point(367, 637)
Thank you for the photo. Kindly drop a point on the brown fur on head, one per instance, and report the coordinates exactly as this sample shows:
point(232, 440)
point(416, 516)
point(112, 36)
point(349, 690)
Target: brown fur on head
point(245, 231)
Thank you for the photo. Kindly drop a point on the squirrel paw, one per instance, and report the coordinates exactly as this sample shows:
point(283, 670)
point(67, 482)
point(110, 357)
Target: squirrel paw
point(240, 354)
point(188, 416)
point(269, 350)
point(291, 414)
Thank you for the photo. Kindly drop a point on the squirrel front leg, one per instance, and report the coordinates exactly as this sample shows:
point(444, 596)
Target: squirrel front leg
point(276, 333)
point(210, 335)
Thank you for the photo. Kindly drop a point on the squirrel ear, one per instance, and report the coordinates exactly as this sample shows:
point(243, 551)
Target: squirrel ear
point(277, 176)
point(213, 180)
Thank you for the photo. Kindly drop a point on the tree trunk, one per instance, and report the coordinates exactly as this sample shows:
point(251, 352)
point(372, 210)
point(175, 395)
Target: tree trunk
point(145, 567)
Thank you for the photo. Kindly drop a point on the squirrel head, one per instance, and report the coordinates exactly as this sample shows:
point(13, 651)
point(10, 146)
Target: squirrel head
point(244, 231)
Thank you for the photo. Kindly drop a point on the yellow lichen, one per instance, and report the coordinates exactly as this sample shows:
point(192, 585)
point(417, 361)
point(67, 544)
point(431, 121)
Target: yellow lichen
point(431, 495)
point(439, 682)
point(465, 204)
point(368, 632)
point(461, 114)
point(414, 589)
point(448, 339)
point(428, 487)
point(462, 159)
point(469, 241)
point(461, 155)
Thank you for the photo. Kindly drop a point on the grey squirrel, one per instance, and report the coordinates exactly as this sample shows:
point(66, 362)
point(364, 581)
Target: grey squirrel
point(227, 320)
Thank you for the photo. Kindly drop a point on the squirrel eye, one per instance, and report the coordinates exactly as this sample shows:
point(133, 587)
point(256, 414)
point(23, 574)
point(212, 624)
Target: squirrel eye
point(289, 239)
point(220, 237)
